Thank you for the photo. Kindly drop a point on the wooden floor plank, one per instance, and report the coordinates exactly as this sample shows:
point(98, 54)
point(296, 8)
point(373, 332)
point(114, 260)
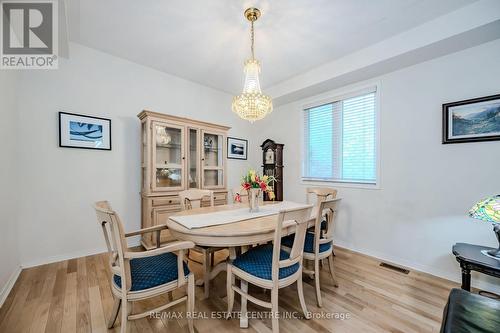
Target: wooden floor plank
point(75, 296)
point(70, 300)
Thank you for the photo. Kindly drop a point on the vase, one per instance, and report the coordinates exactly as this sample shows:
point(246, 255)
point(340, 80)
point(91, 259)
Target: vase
point(253, 199)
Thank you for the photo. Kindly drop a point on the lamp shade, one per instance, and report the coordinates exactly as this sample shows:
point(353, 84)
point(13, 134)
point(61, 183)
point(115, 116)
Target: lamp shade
point(487, 209)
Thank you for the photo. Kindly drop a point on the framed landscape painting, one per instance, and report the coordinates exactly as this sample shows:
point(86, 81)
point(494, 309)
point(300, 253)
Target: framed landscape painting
point(472, 120)
point(80, 131)
point(237, 148)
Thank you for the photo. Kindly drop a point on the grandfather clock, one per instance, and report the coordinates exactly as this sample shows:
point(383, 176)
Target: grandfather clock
point(272, 157)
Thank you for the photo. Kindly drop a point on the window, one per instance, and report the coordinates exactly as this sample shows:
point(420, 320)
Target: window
point(340, 140)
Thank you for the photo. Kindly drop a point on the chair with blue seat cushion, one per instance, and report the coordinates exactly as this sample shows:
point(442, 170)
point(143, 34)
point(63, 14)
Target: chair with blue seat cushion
point(144, 274)
point(258, 261)
point(318, 244)
point(269, 267)
point(308, 243)
point(320, 194)
point(150, 272)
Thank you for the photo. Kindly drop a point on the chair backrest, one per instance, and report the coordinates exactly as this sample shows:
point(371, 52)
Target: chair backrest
point(192, 198)
point(242, 193)
point(327, 208)
point(114, 236)
point(301, 217)
point(320, 193)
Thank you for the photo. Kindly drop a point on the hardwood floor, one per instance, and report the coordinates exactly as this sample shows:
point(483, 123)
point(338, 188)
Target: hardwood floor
point(75, 296)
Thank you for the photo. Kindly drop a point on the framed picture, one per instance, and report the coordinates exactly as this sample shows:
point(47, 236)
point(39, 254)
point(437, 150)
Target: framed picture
point(80, 131)
point(472, 120)
point(237, 148)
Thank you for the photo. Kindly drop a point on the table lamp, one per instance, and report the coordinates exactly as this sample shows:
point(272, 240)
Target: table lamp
point(488, 210)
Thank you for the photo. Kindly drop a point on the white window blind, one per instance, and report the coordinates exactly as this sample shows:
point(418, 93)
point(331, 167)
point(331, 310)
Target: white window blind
point(340, 142)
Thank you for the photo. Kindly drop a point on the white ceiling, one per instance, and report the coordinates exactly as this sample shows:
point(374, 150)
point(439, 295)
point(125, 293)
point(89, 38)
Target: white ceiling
point(207, 41)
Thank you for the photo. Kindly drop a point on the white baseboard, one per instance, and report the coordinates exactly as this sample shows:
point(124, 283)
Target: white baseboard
point(451, 276)
point(61, 257)
point(9, 285)
point(71, 255)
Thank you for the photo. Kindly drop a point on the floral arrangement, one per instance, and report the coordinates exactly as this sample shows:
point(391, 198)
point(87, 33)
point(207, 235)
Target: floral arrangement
point(253, 180)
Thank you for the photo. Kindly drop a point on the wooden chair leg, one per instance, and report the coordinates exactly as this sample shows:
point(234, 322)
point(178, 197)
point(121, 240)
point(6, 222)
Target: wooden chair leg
point(244, 302)
point(275, 311)
point(206, 273)
point(126, 309)
point(114, 312)
point(230, 291)
point(316, 283)
point(332, 271)
point(300, 290)
point(190, 303)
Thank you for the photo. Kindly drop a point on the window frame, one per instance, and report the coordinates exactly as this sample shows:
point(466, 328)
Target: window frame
point(329, 98)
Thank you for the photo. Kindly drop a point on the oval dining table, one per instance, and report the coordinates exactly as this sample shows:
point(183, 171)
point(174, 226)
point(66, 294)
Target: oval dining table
point(256, 230)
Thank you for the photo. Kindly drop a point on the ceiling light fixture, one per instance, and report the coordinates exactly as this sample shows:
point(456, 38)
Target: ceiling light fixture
point(252, 104)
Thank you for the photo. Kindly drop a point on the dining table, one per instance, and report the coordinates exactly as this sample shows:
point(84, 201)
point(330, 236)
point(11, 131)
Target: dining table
point(244, 230)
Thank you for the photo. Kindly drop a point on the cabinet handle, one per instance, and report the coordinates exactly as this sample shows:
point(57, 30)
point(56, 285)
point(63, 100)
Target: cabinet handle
point(183, 157)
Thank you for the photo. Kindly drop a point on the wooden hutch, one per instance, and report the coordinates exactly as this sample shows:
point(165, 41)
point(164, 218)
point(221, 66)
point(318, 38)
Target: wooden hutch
point(272, 165)
point(178, 154)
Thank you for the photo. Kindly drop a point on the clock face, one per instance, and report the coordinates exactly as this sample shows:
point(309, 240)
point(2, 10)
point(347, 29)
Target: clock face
point(269, 156)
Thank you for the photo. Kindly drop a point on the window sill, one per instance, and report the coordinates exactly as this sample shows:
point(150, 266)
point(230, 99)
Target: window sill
point(339, 183)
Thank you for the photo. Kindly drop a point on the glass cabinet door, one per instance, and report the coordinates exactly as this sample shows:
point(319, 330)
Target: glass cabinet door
point(212, 160)
point(192, 163)
point(168, 141)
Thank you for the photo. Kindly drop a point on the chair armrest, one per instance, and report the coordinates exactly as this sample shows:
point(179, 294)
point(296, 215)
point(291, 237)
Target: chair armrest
point(170, 247)
point(289, 262)
point(146, 230)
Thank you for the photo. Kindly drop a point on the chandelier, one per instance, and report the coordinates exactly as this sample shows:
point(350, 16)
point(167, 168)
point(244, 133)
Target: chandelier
point(252, 104)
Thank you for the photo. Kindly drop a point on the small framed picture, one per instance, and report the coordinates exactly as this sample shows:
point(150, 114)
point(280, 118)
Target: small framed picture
point(87, 132)
point(237, 148)
point(472, 120)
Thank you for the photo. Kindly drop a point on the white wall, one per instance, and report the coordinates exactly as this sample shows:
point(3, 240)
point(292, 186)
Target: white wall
point(59, 185)
point(426, 187)
point(9, 251)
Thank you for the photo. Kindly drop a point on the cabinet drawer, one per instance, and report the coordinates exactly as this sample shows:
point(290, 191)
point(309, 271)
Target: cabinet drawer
point(167, 201)
point(220, 197)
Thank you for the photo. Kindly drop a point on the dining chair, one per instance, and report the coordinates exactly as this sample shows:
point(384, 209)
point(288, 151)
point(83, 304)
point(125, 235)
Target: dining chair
point(318, 245)
point(191, 199)
point(269, 267)
point(242, 194)
point(320, 194)
point(140, 275)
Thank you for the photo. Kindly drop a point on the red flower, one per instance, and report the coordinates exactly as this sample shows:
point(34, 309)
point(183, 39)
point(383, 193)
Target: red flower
point(246, 186)
point(263, 186)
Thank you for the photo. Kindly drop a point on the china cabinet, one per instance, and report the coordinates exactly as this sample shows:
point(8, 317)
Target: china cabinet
point(178, 154)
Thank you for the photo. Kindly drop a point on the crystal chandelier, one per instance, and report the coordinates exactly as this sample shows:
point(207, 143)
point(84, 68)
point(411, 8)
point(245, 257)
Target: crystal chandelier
point(252, 104)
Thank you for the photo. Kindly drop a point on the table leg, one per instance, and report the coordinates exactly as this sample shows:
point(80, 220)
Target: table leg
point(206, 272)
point(209, 273)
point(465, 279)
point(220, 267)
point(244, 314)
